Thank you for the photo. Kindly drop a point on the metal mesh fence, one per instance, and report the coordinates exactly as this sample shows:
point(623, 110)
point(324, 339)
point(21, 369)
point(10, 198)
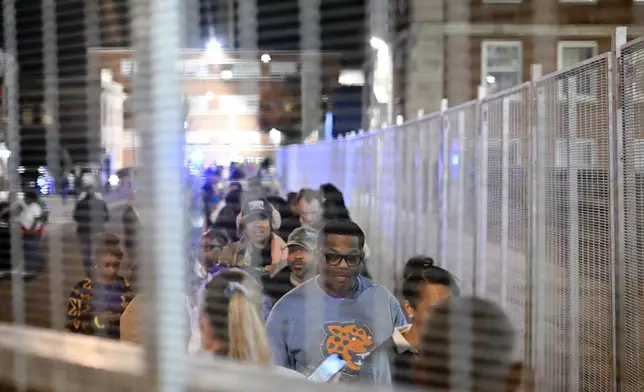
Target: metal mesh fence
point(631, 272)
point(503, 256)
point(461, 215)
point(537, 187)
point(576, 252)
point(121, 121)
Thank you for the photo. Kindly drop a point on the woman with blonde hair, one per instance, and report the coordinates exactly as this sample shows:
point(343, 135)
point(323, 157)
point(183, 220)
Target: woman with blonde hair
point(230, 320)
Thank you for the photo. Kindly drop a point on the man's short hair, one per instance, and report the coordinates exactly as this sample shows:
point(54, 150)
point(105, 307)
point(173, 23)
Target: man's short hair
point(413, 283)
point(309, 195)
point(292, 197)
point(341, 227)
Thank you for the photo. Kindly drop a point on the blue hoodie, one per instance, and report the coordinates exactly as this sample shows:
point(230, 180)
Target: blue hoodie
point(307, 325)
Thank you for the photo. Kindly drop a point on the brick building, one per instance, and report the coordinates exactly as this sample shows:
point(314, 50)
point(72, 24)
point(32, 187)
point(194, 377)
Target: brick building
point(231, 103)
point(446, 49)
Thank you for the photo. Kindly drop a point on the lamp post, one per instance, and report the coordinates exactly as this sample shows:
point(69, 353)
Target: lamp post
point(382, 82)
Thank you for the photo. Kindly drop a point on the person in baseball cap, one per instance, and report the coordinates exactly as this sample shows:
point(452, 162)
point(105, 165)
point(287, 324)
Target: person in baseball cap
point(300, 267)
point(259, 249)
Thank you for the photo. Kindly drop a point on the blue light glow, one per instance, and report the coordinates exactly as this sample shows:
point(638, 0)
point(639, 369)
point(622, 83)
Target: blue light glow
point(455, 159)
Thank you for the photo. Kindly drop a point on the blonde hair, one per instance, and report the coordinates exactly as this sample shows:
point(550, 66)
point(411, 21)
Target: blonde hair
point(231, 305)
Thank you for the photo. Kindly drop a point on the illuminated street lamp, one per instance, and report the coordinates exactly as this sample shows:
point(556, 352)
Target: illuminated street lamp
point(266, 58)
point(213, 51)
point(275, 136)
point(383, 80)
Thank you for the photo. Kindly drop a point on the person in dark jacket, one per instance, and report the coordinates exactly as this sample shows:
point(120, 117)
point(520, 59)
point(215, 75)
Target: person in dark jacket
point(131, 226)
point(301, 267)
point(424, 287)
point(226, 220)
point(333, 203)
point(91, 215)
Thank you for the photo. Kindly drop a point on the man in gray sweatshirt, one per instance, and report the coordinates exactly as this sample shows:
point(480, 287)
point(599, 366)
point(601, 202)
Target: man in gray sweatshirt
point(336, 312)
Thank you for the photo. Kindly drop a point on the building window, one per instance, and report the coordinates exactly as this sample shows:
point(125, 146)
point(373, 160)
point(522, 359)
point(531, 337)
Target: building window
point(501, 65)
point(578, 1)
point(569, 55)
point(127, 67)
point(502, 1)
point(580, 154)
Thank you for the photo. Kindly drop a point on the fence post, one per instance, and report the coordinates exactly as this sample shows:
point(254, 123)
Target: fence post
point(505, 197)
point(54, 240)
point(11, 70)
point(618, 203)
point(443, 183)
point(573, 231)
point(533, 312)
point(481, 239)
point(157, 32)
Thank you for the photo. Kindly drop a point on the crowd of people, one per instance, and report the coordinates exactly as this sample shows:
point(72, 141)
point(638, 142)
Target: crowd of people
point(284, 284)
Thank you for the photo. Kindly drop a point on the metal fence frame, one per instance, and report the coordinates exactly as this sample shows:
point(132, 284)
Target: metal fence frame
point(413, 177)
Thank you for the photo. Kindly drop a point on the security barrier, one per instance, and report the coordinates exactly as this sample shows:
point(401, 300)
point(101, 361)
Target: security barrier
point(532, 197)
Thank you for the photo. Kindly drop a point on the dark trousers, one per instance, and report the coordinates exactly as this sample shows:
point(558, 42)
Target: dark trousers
point(34, 261)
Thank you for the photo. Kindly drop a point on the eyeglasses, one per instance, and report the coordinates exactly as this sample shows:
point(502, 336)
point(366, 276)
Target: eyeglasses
point(334, 259)
point(210, 247)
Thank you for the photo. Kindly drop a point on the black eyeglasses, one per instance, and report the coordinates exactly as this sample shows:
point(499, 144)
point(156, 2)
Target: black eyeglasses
point(209, 247)
point(334, 259)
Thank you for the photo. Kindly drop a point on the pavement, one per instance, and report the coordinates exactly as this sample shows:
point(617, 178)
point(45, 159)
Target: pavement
point(59, 238)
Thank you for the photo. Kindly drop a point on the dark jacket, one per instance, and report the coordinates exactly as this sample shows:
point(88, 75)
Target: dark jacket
point(130, 227)
point(90, 215)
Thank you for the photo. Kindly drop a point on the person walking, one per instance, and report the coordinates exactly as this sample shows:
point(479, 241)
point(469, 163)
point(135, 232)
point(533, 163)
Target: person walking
point(90, 214)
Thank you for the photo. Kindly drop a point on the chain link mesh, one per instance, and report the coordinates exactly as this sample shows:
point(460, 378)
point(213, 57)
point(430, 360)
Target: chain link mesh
point(631, 271)
point(575, 254)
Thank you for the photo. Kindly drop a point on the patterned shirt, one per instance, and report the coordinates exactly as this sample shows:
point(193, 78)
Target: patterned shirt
point(89, 299)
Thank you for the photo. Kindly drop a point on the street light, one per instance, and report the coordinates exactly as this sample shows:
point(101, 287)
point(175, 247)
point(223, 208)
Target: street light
point(266, 58)
point(213, 50)
point(383, 80)
point(275, 136)
point(378, 43)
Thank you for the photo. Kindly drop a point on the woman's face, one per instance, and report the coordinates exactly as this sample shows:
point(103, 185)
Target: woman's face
point(108, 266)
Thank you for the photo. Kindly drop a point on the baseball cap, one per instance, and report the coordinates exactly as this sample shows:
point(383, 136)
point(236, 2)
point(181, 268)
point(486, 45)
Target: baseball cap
point(306, 238)
point(256, 207)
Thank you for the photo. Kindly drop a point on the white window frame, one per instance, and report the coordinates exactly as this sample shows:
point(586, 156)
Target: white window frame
point(561, 153)
point(563, 45)
point(484, 68)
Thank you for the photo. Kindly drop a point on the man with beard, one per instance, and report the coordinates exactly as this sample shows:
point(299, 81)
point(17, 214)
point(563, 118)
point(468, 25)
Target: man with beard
point(338, 312)
point(260, 250)
point(300, 245)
